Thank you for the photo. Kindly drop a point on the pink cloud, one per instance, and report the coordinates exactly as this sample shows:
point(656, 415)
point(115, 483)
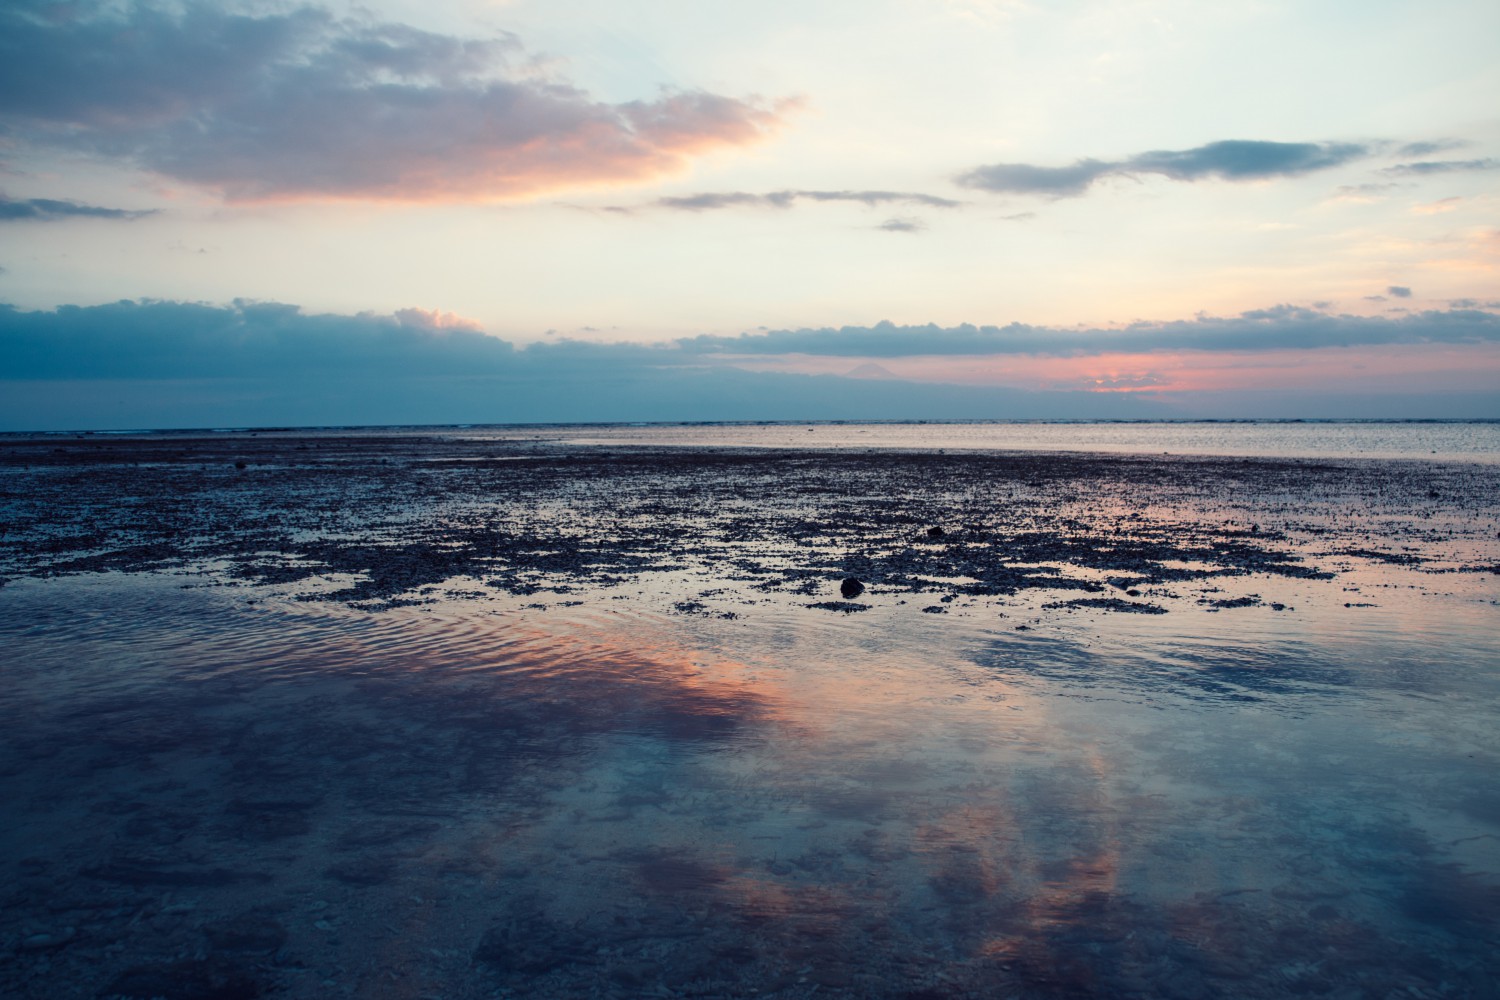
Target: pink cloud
point(1393, 368)
point(302, 105)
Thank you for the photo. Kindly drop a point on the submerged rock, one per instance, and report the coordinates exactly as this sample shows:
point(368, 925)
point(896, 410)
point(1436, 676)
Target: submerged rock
point(847, 607)
point(1108, 604)
point(47, 940)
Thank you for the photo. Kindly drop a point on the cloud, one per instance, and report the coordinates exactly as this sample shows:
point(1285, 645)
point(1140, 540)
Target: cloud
point(1235, 160)
point(709, 201)
point(1364, 193)
point(1242, 160)
point(164, 339)
point(1428, 167)
point(175, 364)
point(169, 340)
point(1438, 207)
point(1283, 327)
point(302, 104)
point(1428, 148)
point(1024, 178)
point(902, 226)
point(51, 210)
point(1399, 291)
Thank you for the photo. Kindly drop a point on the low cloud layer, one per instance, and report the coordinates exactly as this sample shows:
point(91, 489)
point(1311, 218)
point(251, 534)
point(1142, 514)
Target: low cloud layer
point(175, 364)
point(52, 210)
point(902, 226)
point(1274, 329)
point(713, 201)
point(176, 340)
point(303, 104)
point(1427, 168)
point(158, 339)
point(171, 364)
point(1234, 160)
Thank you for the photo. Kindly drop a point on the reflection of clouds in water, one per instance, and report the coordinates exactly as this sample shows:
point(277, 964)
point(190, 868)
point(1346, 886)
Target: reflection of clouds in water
point(1221, 673)
point(1020, 814)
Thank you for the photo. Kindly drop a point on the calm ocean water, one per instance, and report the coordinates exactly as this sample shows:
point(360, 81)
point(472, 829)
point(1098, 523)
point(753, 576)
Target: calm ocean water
point(1471, 441)
point(1435, 440)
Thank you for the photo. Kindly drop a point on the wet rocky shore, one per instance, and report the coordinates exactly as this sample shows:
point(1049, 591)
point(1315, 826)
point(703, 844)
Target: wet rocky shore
point(403, 516)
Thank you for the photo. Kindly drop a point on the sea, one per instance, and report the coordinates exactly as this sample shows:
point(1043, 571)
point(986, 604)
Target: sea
point(1433, 440)
point(1436, 440)
point(694, 782)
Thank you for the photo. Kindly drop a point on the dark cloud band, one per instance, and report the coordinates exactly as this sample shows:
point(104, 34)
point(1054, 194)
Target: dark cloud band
point(1236, 160)
point(1428, 167)
point(52, 210)
point(709, 201)
point(248, 339)
point(1277, 328)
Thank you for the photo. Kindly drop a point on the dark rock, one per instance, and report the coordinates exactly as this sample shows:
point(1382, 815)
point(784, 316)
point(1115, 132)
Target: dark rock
point(935, 532)
point(851, 587)
point(1108, 604)
point(1235, 602)
point(847, 607)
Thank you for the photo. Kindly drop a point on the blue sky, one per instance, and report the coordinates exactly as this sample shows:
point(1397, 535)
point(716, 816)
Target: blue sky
point(880, 209)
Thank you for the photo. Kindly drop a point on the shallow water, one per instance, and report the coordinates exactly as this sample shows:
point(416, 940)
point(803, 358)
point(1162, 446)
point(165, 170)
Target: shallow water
point(463, 798)
point(598, 725)
point(1471, 441)
point(1427, 440)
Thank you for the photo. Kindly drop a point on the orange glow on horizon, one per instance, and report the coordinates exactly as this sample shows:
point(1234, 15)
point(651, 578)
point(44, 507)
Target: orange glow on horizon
point(1383, 368)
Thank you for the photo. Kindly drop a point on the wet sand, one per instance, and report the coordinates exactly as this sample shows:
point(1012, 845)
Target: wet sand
point(406, 716)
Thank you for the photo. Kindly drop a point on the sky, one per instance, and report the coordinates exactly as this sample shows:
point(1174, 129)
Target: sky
point(512, 210)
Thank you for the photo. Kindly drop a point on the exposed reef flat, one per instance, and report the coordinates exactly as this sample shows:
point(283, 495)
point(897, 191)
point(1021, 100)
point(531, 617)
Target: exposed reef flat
point(401, 518)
